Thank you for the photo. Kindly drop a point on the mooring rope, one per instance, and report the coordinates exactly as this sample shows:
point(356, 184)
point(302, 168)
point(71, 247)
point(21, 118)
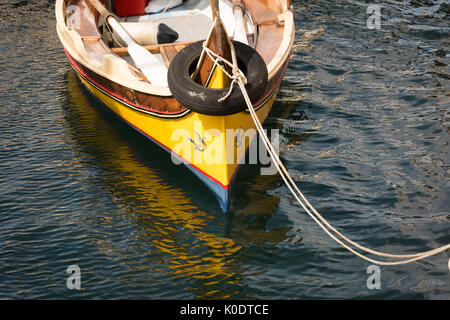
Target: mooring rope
point(236, 72)
point(238, 77)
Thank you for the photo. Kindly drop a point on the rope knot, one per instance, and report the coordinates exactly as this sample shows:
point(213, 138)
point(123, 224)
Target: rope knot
point(236, 73)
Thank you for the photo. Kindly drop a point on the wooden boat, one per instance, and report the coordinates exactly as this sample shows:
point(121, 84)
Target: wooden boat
point(175, 104)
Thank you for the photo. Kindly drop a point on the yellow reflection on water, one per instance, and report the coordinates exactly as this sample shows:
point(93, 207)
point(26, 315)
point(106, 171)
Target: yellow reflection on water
point(165, 214)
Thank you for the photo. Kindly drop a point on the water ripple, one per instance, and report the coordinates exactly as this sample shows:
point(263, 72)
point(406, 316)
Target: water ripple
point(364, 123)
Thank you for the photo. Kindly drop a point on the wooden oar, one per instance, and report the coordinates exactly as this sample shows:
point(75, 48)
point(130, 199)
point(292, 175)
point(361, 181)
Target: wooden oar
point(151, 67)
point(239, 24)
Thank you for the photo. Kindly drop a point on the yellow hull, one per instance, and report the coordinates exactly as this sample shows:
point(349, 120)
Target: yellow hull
point(213, 147)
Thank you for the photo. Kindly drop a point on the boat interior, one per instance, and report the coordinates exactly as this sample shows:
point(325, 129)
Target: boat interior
point(267, 26)
point(190, 19)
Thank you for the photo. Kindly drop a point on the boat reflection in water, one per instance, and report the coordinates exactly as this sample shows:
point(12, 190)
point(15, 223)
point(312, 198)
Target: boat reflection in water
point(153, 207)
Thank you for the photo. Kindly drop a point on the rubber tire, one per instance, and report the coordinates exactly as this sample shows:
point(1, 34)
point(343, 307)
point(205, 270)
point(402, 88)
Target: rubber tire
point(204, 100)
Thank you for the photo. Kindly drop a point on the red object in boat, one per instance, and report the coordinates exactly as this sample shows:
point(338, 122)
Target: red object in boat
point(126, 8)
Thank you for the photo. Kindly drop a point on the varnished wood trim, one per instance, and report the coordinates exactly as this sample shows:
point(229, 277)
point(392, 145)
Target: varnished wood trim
point(91, 38)
point(155, 48)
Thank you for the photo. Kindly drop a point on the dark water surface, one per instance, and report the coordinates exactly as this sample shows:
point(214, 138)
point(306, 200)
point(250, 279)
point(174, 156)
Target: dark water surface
point(364, 121)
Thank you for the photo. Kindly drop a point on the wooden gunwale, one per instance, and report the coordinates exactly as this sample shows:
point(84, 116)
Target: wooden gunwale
point(133, 99)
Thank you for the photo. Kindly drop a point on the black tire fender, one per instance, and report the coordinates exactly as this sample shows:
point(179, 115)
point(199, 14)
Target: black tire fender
point(204, 100)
